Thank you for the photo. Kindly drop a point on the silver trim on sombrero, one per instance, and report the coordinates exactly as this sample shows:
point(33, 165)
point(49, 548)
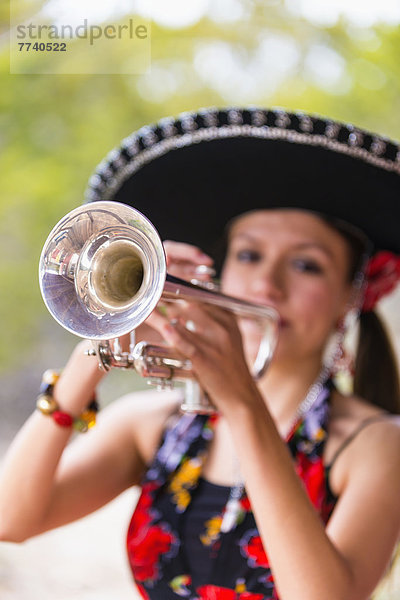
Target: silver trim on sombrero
point(115, 168)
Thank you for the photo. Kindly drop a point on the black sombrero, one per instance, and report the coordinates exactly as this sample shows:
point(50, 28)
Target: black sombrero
point(190, 175)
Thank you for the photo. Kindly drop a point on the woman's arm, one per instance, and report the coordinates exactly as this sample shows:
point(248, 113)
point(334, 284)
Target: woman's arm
point(347, 560)
point(343, 562)
point(45, 484)
point(29, 470)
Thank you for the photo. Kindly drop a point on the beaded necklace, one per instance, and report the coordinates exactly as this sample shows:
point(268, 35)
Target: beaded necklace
point(233, 507)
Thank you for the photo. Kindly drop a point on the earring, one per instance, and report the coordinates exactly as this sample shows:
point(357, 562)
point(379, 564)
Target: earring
point(342, 364)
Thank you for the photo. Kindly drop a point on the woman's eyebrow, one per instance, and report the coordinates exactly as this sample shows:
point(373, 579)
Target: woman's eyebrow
point(306, 245)
point(247, 236)
point(318, 245)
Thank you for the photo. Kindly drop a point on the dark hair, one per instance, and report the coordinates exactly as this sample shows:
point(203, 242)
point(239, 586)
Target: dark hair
point(376, 375)
point(360, 247)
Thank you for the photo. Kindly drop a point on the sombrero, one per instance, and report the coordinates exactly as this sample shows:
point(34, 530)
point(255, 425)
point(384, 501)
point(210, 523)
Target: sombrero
point(191, 174)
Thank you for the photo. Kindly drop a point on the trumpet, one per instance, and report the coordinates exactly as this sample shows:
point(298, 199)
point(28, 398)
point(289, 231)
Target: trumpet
point(102, 271)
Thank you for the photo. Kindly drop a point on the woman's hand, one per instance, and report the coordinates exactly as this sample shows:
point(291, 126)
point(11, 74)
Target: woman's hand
point(187, 261)
point(210, 338)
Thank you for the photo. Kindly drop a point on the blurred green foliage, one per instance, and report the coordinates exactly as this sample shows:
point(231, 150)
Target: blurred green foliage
point(55, 129)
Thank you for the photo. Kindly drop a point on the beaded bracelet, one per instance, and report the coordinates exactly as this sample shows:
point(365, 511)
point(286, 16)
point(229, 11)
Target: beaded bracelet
point(47, 405)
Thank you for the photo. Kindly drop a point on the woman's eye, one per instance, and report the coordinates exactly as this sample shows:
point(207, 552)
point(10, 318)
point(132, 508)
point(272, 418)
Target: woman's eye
point(306, 265)
point(247, 256)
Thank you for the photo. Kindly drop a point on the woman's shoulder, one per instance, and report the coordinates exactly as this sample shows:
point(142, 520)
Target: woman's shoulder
point(361, 437)
point(349, 412)
point(150, 404)
point(351, 415)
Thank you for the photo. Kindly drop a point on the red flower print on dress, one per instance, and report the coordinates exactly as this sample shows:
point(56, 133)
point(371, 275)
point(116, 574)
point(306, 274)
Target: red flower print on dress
point(142, 516)
point(146, 542)
point(245, 503)
point(215, 592)
point(312, 474)
point(145, 558)
point(382, 274)
point(251, 547)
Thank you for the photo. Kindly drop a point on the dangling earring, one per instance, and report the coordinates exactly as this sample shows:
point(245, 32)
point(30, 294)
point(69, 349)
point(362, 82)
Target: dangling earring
point(342, 362)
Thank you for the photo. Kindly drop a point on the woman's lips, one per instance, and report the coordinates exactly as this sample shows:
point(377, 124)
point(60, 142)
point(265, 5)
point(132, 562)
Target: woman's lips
point(282, 322)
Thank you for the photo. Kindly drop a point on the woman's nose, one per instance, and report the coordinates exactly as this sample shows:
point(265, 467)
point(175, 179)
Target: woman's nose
point(268, 283)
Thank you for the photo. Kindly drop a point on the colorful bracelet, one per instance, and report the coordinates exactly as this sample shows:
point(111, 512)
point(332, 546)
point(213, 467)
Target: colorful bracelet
point(47, 405)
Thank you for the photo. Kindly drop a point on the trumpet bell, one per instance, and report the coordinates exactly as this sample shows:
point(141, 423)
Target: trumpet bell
point(102, 270)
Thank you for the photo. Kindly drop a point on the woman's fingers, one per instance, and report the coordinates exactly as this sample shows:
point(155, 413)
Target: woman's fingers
point(158, 318)
point(210, 338)
point(201, 318)
point(186, 252)
point(187, 261)
point(196, 328)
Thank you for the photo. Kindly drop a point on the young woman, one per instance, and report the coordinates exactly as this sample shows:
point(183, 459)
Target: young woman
point(290, 489)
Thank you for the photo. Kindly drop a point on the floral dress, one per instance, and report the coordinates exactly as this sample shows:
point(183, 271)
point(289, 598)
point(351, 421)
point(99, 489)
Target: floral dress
point(175, 544)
